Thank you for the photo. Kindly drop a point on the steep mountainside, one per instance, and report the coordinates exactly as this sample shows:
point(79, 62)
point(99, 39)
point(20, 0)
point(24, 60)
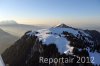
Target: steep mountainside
point(6, 40)
point(61, 41)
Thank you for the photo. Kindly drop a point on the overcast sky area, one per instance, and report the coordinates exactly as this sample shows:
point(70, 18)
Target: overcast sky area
point(51, 12)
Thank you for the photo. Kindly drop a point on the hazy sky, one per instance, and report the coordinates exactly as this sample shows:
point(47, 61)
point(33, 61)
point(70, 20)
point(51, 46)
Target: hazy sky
point(75, 12)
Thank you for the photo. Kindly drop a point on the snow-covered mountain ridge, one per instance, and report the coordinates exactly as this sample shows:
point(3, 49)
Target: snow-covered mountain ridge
point(56, 36)
point(58, 41)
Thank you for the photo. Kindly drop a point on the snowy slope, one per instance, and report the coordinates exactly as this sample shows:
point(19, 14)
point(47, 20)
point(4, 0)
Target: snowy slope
point(1, 62)
point(94, 57)
point(55, 35)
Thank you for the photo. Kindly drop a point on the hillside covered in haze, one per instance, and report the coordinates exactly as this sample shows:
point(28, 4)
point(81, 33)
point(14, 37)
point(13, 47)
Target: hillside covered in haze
point(18, 30)
point(6, 40)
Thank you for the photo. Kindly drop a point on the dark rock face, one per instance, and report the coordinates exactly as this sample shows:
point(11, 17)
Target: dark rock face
point(17, 54)
point(27, 51)
point(96, 37)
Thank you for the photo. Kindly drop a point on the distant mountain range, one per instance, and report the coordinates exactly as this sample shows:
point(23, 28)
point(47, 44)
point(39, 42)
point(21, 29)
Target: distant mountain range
point(55, 42)
point(19, 29)
point(90, 27)
point(6, 22)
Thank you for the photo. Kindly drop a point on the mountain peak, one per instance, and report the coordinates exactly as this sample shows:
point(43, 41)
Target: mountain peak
point(62, 25)
point(63, 41)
